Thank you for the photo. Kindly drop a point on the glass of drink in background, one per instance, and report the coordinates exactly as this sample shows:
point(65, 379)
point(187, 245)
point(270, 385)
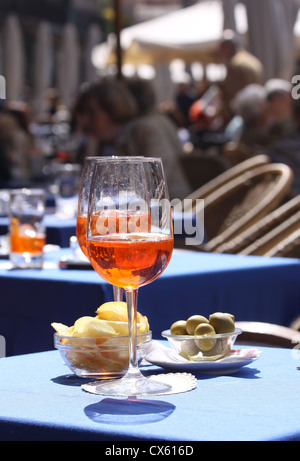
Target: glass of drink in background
point(83, 201)
point(26, 228)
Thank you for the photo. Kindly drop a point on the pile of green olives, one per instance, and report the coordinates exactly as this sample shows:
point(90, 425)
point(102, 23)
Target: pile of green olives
point(217, 323)
point(198, 325)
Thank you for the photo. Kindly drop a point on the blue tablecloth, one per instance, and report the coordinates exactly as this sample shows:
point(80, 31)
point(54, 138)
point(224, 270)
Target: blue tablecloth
point(39, 400)
point(251, 288)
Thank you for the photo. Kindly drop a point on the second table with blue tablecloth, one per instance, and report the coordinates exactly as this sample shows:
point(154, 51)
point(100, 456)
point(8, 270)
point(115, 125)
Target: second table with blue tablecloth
point(251, 288)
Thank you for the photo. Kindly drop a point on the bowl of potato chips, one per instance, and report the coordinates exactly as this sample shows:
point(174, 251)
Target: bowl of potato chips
point(97, 347)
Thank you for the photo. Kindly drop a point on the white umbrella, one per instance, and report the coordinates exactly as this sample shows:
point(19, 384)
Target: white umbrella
point(43, 63)
point(191, 34)
point(13, 58)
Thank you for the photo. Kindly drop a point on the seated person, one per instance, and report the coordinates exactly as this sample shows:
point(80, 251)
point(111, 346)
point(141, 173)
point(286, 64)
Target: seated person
point(251, 105)
point(279, 99)
point(115, 120)
point(242, 68)
point(287, 150)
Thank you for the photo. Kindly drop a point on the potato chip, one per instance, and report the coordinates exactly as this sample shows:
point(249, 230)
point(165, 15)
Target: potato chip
point(91, 326)
point(111, 320)
point(122, 327)
point(115, 311)
point(61, 329)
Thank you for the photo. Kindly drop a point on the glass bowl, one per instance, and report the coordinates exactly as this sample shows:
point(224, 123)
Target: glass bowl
point(99, 357)
point(202, 348)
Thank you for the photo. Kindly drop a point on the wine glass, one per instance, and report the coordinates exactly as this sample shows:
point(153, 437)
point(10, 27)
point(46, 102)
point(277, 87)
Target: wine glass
point(132, 247)
point(82, 211)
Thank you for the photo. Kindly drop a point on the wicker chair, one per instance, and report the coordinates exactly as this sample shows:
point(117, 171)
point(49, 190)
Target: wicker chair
point(289, 246)
point(228, 176)
point(243, 201)
point(214, 185)
point(267, 232)
point(267, 334)
point(201, 168)
point(236, 152)
point(296, 324)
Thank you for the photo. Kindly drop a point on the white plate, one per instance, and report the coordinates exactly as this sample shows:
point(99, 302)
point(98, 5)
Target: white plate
point(230, 364)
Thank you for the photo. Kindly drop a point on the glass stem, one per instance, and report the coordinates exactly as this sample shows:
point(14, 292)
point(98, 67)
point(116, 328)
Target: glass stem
point(118, 293)
point(131, 299)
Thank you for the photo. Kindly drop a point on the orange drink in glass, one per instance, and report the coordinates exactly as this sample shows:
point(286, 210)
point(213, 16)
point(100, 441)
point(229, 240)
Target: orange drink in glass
point(26, 228)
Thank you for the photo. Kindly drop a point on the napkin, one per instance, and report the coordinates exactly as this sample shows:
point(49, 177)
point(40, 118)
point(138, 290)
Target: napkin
point(161, 353)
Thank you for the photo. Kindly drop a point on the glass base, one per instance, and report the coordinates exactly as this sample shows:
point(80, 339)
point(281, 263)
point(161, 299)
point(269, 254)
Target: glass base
point(132, 386)
point(27, 260)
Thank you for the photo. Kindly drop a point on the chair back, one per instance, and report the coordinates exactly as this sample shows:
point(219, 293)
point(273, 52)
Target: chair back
point(201, 168)
point(267, 334)
point(228, 175)
point(243, 201)
point(288, 247)
point(263, 235)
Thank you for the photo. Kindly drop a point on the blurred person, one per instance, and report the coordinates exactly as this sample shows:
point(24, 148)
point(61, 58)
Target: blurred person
point(161, 136)
point(52, 101)
point(279, 99)
point(16, 138)
point(49, 107)
point(5, 173)
point(85, 144)
point(108, 107)
point(206, 124)
point(130, 125)
point(242, 69)
point(251, 105)
point(287, 150)
point(78, 127)
point(185, 96)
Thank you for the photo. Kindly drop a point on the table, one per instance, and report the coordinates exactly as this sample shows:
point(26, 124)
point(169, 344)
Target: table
point(40, 400)
point(251, 288)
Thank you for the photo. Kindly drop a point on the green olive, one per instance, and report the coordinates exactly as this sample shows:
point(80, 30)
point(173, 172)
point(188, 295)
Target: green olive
point(205, 344)
point(178, 328)
point(193, 321)
point(222, 322)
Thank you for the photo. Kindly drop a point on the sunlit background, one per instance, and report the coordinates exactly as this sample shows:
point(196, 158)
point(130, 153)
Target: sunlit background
point(64, 43)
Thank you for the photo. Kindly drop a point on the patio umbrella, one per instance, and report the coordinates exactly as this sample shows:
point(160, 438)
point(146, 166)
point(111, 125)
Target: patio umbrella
point(191, 34)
